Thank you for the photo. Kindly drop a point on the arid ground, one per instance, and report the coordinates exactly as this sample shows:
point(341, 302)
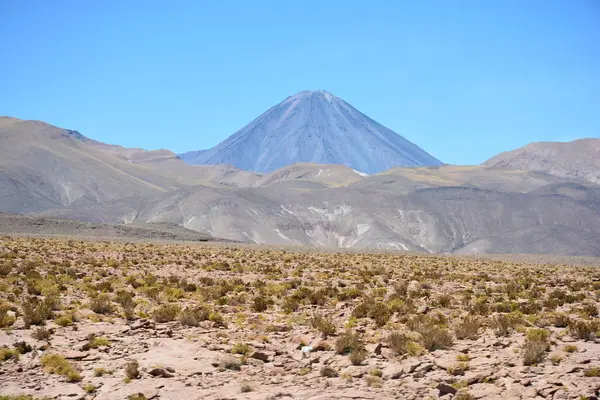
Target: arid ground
point(117, 320)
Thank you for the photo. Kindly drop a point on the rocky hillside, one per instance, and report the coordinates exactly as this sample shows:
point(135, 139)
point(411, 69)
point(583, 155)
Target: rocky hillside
point(577, 159)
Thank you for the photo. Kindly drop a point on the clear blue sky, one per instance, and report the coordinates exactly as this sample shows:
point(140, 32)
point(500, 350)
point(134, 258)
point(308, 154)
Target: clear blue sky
point(462, 79)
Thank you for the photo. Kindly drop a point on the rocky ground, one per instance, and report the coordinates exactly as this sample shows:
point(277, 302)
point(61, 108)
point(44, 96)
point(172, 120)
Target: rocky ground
point(115, 320)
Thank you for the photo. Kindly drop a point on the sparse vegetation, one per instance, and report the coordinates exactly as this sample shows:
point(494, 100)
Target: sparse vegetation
point(259, 308)
point(57, 364)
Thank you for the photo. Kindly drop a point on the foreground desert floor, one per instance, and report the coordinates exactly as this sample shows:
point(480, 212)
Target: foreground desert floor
point(116, 320)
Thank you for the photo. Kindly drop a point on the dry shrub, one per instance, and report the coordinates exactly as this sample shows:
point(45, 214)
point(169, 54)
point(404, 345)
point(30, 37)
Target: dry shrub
point(166, 313)
point(132, 369)
point(328, 372)
point(57, 364)
point(468, 328)
point(585, 330)
point(347, 342)
point(35, 311)
point(322, 324)
point(193, 316)
point(503, 324)
point(401, 343)
point(101, 304)
point(536, 345)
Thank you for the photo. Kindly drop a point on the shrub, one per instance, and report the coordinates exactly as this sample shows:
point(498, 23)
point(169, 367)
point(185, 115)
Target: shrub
point(583, 329)
point(358, 355)
point(468, 328)
point(503, 325)
point(95, 342)
point(593, 372)
point(444, 300)
point(561, 320)
point(589, 310)
point(570, 348)
point(246, 387)
point(89, 388)
point(166, 313)
point(380, 313)
point(41, 334)
point(101, 304)
point(373, 381)
point(125, 300)
point(290, 304)
point(328, 372)
point(536, 345)
point(193, 316)
point(322, 324)
point(6, 320)
point(436, 338)
point(35, 312)
point(64, 320)
point(57, 364)
point(22, 347)
point(347, 342)
point(376, 310)
point(5, 268)
point(241, 348)
point(7, 354)
point(98, 372)
point(433, 337)
point(260, 304)
point(400, 343)
point(132, 369)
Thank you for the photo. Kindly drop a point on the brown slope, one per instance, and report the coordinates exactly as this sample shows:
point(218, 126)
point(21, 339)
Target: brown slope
point(578, 159)
point(43, 167)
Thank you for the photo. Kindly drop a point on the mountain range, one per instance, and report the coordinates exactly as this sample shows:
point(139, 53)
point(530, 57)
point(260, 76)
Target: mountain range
point(543, 198)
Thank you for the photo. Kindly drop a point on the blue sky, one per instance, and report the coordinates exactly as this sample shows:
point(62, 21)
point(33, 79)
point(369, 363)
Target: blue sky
point(462, 79)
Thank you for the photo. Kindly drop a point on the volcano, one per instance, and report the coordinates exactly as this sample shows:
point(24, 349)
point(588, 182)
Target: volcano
point(314, 126)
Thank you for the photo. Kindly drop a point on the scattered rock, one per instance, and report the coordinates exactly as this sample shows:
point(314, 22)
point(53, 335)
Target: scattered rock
point(160, 373)
point(445, 389)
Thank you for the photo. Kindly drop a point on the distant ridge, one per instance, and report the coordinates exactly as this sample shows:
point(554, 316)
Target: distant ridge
point(578, 159)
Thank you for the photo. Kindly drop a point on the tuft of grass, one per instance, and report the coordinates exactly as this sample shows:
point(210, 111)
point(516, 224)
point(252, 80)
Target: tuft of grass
point(593, 372)
point(570, 348)
point(90, 388)
point(99, 341)
point(8, 354)
point(373, 381)
point(246, 387)
point(241, 348)
point(98, 372)
point(57, 364)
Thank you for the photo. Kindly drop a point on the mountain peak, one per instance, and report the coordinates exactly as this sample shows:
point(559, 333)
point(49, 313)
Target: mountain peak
point(313, 93)
point(314, 126)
